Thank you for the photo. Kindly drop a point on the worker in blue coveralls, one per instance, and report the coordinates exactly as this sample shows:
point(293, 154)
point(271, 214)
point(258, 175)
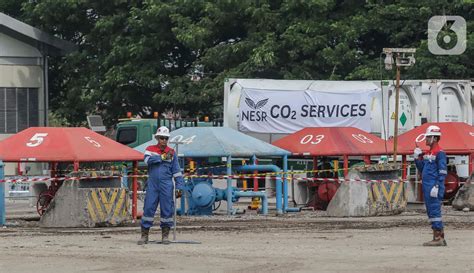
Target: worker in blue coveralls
point(432, 166)
point(163, 166)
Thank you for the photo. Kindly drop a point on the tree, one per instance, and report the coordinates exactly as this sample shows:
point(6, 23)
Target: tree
point(140, 56)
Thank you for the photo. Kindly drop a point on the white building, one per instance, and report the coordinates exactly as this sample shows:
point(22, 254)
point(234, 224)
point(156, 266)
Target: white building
point(24, 52)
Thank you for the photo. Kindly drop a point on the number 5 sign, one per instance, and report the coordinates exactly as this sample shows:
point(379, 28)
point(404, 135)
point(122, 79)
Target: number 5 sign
point(36, 140)
point(93, 142)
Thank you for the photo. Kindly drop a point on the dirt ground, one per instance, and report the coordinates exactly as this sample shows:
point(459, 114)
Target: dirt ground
point(301, 242)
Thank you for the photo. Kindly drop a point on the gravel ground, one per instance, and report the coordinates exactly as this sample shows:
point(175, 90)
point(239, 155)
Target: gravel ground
point(301, 242)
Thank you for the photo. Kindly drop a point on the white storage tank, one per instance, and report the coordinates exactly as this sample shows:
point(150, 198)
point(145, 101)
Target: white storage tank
point(446, 100)
point(383, 116)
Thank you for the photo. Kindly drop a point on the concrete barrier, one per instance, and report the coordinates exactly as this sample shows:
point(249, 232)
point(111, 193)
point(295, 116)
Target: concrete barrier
point(465, 196)
point(358, 199)
point(80, 203)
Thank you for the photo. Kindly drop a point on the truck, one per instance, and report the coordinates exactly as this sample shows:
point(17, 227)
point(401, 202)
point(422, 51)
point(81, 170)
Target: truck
point(136, 131)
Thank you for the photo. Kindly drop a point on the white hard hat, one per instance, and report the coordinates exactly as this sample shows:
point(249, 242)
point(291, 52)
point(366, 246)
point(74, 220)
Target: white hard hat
point(433, 130)
point(163, 131)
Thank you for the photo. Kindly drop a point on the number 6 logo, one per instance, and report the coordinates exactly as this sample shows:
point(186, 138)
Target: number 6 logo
point(36, 140)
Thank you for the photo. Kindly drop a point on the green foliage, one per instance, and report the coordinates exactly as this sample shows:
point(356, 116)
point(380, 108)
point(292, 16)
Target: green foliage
point(141, 55)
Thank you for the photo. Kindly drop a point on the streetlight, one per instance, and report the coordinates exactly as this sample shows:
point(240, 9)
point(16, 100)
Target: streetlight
point(403, 57)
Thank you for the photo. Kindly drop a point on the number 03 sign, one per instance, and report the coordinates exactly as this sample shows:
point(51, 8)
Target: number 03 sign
point(312, 139)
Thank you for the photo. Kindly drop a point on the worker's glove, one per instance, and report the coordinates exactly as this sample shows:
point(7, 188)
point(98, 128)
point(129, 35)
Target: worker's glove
point(434, 191)
point(163, 156)
point(417, 152)
point(178, 193)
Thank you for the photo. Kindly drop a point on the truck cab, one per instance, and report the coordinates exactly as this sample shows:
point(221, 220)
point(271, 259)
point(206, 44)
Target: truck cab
point(133, 132)
point(136, 131)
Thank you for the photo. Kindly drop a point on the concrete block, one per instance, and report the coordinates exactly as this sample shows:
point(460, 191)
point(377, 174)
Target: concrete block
point(359, 199)
point(465, 196)
point(75, 205)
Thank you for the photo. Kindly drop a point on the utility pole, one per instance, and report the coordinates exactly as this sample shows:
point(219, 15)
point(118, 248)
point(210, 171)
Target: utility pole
point(397, 102)
point(403, 57)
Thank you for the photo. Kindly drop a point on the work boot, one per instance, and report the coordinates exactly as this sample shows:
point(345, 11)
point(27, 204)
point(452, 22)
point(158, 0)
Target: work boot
point(144, 239)
point(165, 233)
point(438, 239)
point(442, 236)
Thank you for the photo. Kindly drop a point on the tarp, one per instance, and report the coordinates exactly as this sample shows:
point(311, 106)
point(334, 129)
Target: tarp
point(49, 144)
point(217, 141)
point(333, 141)
point(456, 138)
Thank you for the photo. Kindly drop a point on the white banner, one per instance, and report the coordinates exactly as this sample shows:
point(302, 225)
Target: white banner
point(270, 111)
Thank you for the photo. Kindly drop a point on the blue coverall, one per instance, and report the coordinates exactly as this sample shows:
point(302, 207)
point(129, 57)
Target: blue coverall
point(434, 170)
point(160, 185)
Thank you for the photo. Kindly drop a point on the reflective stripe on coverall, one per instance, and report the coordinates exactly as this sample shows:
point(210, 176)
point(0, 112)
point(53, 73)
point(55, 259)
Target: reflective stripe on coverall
point(160, 185)
point(434, 170)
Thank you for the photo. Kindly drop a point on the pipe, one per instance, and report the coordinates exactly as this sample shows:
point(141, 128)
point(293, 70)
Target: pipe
point(285, 183)
point(346, 165)
point(255, 180)
point(76, 166)
point(471, 163)
point(273, 168)
point(367, 159)
point(229, 185)
point(262, 195)
point(404, 167)
point(124, 179)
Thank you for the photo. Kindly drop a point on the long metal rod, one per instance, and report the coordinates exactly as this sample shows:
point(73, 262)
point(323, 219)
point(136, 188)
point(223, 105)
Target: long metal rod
point(229, 185)
point(135, 189)
point(174, 210)
point(174, 195)
point(397, 98)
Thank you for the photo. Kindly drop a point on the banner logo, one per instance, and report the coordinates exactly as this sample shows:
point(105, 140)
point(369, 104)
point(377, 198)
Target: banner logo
point(256, 106)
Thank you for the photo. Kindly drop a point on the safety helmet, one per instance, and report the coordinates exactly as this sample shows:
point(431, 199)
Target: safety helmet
point(163, 131)
point(433, 130)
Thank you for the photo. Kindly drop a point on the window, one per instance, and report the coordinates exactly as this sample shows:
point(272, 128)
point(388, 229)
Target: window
point(19, 109)
point(127, 135)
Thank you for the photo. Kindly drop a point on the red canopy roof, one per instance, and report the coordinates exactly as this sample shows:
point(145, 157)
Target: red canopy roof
point(456, 138)
point(49, 144)
point(333, 141)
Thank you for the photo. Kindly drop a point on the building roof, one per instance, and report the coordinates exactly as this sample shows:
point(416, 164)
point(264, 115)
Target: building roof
point(30, 35)
point(217, 141)
point(333, 141)
point(50, 144)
